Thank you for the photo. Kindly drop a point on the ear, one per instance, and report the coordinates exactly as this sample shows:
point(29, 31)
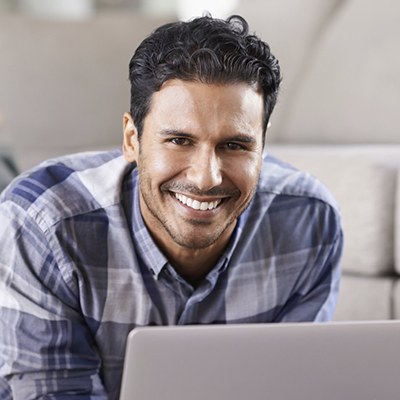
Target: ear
point(130, 146)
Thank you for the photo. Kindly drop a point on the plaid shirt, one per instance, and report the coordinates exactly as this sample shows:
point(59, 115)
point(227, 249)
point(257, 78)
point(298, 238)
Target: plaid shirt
point(79, 270)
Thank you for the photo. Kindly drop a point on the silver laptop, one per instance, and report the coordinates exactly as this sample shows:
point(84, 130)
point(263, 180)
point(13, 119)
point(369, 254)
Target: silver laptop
point(332, 361)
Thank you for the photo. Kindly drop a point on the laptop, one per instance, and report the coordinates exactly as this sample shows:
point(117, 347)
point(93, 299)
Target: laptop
point(302, 361)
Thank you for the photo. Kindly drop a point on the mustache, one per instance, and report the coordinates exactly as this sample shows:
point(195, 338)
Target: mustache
point(193, 189)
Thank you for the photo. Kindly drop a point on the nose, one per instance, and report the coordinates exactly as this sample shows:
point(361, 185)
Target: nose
point(205, 169)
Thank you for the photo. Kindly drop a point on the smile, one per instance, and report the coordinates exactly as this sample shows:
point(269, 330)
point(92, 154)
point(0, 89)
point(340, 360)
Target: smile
point(197, 205)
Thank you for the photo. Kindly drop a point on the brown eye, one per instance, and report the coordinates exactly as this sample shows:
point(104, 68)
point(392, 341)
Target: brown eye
point(234, 146)
point(180, 141)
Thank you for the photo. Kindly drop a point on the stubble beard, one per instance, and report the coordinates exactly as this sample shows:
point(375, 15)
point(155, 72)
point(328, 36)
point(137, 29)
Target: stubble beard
point(187, 240)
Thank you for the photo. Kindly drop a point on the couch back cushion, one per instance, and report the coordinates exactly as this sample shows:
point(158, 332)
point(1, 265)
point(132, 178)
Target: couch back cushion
point(350, 90)
point(397, 229)
point(64, 84)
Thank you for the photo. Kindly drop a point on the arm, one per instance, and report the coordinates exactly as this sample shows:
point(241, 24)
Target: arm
point(315, 295)
point(46, 348)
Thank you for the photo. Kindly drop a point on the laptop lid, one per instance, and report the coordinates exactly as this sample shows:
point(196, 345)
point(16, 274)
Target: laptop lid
point(303, 361)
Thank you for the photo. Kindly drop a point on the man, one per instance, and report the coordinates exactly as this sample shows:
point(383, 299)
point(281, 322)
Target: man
point(190, 225)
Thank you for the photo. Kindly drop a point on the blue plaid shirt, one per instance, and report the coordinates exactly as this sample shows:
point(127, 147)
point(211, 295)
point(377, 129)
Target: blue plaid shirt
point(79, 270)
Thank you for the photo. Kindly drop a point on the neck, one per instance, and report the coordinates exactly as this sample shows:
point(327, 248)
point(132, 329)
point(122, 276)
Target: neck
point(194, 264)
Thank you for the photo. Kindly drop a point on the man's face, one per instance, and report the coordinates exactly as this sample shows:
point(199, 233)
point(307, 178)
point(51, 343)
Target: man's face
point(199, 160)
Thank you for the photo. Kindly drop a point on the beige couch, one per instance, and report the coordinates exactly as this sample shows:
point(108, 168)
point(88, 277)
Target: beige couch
point(64, 87)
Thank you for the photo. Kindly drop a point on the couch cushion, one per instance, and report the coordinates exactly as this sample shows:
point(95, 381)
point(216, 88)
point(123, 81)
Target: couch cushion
point(350, 91)
point(365, 298)
point(64, 84)
point(397, 226)
point(396, 300)
point(363, 181)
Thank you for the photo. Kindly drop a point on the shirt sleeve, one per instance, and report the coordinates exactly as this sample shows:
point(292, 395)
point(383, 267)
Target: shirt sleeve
point(315, 295)
point(47, 350)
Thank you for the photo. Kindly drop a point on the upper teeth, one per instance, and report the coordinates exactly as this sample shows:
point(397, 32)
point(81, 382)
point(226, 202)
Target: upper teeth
point(197, 205)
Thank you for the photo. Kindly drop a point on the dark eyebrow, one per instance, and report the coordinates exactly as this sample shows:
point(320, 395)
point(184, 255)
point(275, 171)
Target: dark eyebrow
point(175, 133)
point(241, 137)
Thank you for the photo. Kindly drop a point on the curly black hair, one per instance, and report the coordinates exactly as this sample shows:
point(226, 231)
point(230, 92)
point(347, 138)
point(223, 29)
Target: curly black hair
point(207, 50)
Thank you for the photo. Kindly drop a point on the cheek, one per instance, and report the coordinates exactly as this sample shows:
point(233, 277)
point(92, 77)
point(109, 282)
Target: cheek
point(161, 165)
point(245, 174)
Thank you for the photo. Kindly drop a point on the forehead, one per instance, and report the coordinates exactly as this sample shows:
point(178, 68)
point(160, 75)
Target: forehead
point(187, 103)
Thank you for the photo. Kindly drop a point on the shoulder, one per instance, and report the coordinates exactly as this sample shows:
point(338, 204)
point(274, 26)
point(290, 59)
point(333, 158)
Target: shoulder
point(67, 186)
point(294, 205)
point(282, 179)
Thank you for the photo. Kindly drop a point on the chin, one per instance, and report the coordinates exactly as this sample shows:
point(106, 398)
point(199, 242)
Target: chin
point(193, 243)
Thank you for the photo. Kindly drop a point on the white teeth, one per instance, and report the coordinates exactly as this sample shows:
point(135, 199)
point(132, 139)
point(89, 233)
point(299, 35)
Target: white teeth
point(197, 205)
point(204, 206)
